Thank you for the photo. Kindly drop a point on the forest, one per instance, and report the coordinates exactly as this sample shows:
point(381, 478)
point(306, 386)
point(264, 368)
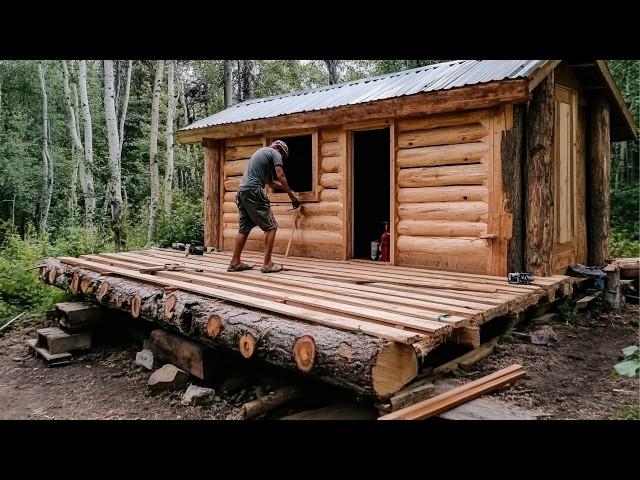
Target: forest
point(89, 161)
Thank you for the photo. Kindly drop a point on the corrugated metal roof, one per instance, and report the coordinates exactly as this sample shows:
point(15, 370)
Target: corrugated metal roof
point(440, 76)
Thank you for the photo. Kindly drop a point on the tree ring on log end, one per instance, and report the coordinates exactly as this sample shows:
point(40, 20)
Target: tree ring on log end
point(304, 353)
point(136, 303)
point(53, 273)
point(84, 285)
point(169, 306)
point(214, 325)
point(102, 291)
point(75, 283)
point(247, 345)
point(395, 366)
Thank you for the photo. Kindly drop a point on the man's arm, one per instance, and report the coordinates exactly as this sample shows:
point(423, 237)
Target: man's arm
point(283, 184)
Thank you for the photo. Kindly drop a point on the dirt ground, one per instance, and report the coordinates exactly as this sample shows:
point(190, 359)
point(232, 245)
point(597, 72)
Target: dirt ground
point(567, 379)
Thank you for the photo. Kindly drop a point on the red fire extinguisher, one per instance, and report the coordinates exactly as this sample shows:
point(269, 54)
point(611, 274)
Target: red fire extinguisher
point(384, 243)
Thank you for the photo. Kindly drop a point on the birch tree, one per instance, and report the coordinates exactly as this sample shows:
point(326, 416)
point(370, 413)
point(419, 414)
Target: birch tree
point(153, 151)
point(332, 68)
point(226, 81)
point(113, 142)
point(47, 162)
point(86, 166)
point(171, 107)
point(74, 130)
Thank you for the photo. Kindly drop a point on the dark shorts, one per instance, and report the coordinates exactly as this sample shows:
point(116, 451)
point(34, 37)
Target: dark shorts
point(254, 209)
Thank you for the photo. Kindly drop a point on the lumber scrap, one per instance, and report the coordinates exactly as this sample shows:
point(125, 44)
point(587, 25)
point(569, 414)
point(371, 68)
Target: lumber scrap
point(457, 396)
point(366, 364)
point(193, 357)
point(268, 402)
point(51, 359)
point(584, 301)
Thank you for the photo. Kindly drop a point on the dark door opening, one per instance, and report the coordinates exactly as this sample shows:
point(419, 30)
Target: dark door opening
point(371, 189)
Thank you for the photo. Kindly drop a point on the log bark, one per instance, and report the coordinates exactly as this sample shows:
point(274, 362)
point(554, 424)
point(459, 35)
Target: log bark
point(367, 365)
point(538, 180)
point(212, 220)
point(598, 182)
point(268, 402)
point(511, 151)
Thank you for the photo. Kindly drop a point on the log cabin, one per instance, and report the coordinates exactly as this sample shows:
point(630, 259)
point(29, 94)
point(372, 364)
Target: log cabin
point(479, 166)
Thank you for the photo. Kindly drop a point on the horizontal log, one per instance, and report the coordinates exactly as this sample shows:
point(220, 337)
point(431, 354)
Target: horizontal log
point(330, 149)
point(331, 164)
point(330, 135)
point(437, 228)
point(454, 211)
point(235, 167)
point(326, 252)
point(238, 153)
point(331, 180)
point(230, 197)
point(308, 209)
point(365, 364)
point(316, 237)
point(444, 246)
point(330, 195)
point(317, 222)
point(455, 193)
point(474, 174)
point(243, 142)
point(442, 155)
point(443, 136)
point(458, 263)
point(443, 120)
point(231, 184)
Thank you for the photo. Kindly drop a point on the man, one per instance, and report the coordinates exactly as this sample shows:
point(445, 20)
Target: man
point(254, 207)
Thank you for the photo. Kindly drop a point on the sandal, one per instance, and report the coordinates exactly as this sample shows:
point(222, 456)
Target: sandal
point(275, 268)
point(240, 267)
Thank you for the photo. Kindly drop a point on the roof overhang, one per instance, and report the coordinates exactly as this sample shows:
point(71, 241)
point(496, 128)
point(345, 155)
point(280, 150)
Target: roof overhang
point(471, 97)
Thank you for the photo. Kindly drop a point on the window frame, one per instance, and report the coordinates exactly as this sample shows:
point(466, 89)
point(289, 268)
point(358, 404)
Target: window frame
point(309, 196)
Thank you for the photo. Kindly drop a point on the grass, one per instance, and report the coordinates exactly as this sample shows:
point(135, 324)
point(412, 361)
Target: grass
point(629, 411)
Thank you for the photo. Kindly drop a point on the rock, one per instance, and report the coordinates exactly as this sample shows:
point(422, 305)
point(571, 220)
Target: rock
point(196, 395)
point(216, 398)
point(169, 377)
point(173, 402)
point(144, 358)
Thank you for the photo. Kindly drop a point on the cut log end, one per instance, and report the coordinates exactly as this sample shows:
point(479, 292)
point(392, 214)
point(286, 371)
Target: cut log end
point(169, 306)
point(395, 366)
point(53, 273)
point(75, 283)
point(214, 325)
point(136, 303)
point(304, 353)
point(102, 291)
point(85, 285)
point(247, 345)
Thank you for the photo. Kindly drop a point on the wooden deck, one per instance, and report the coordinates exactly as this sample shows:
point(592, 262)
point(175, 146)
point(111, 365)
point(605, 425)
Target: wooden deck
point(408, 305)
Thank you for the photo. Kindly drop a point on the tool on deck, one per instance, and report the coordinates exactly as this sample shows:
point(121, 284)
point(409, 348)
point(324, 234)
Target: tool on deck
point(293, 230)
point(523, 278)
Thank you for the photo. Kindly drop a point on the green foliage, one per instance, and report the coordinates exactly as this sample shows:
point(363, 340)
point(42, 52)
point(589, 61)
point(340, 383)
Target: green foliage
point(566, 308)
point(630, 366)
point(20, 288)
point(185, 224)
point(629, 411)
point(620, 245)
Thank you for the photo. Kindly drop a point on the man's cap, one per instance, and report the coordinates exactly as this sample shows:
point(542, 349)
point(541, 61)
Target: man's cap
point(282, 145)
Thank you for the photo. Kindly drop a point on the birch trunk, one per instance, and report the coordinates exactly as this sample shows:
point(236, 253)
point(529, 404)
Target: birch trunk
point(114, 160)
point(47, 189)
point(86, 167)
point(171, 107)
point(76, 145)
point(153, 151)
point(228, 91)
point(125, 104)
point(332, 68)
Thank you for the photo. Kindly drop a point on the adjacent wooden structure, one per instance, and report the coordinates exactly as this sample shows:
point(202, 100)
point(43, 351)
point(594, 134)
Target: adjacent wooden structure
point(489, 178)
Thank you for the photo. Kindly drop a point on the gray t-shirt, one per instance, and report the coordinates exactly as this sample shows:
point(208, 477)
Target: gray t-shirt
point(261, 168)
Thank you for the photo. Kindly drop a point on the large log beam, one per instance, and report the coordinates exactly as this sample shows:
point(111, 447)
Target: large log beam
point(365, 364)
point(212, 201)
point(598, 182)
point(538, 180)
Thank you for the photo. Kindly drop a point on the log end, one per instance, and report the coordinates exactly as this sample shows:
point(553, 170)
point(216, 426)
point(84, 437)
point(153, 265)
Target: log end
point(304, 353)
point(53, 273)
point(75, 283)
point(102, 291)
point(247, 345)
point(169, 306)
point(214, 325)
point(85, 286)
point(395, 366)
point(136, 303)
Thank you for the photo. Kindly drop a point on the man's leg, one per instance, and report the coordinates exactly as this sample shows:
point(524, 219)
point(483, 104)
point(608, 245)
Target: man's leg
point(269, 238)
point(241, 240)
